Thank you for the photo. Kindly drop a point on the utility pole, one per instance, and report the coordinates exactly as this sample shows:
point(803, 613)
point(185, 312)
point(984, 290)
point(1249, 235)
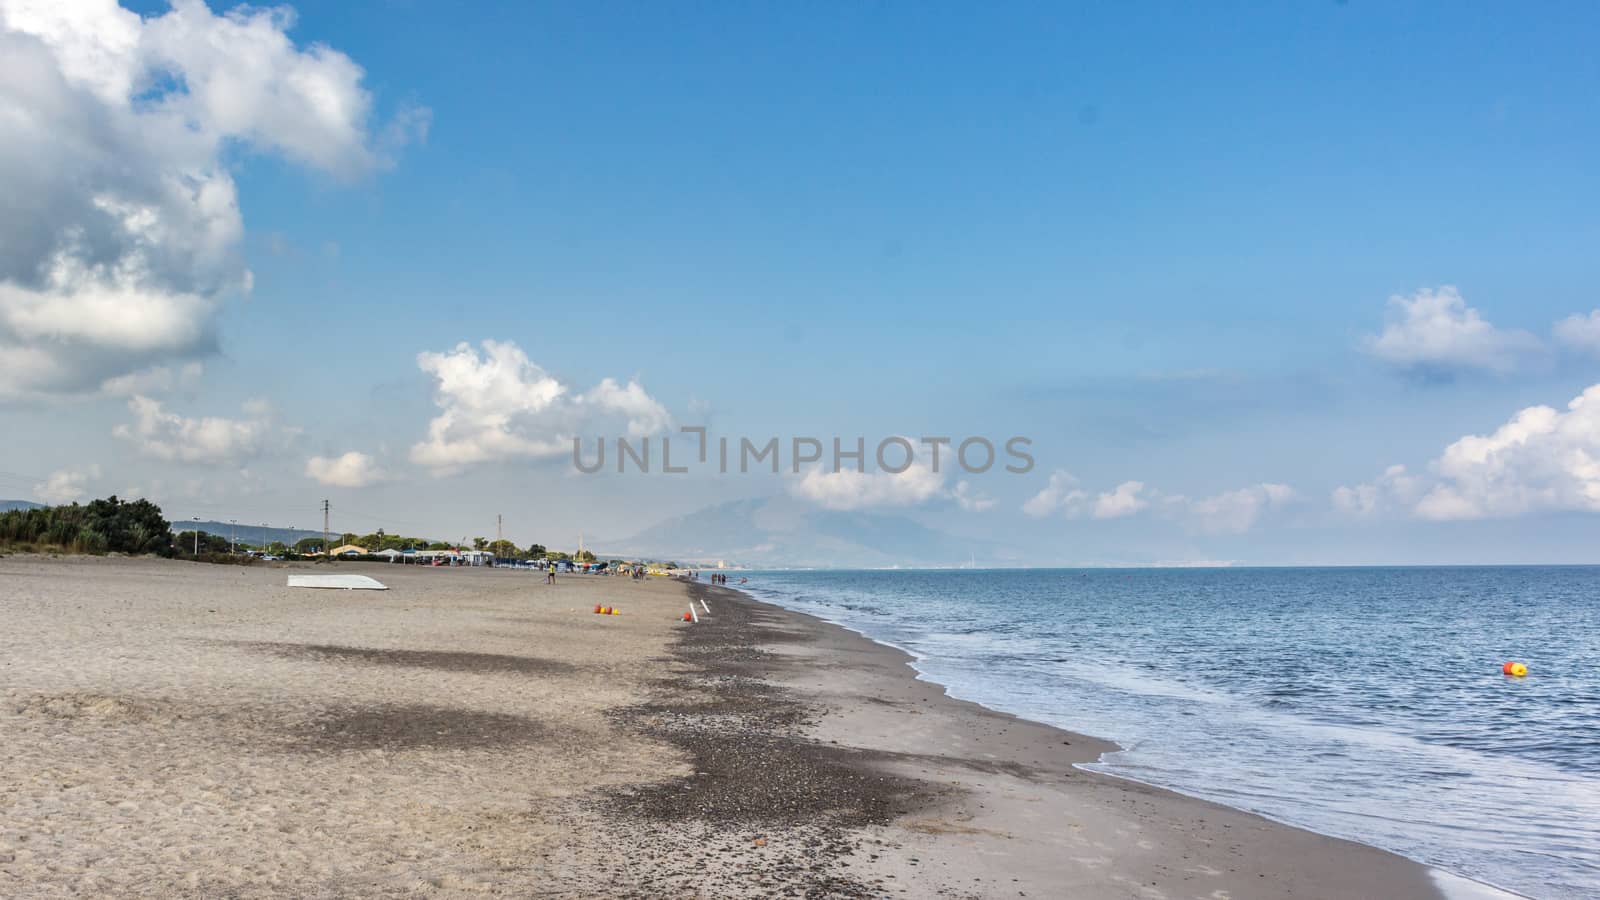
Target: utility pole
point(233, 536)
point(326, 547)
point(499, 532)
point(197, 537)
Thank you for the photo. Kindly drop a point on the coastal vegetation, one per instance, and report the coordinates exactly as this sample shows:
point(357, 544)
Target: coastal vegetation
point(138, 527)
point(109, 525)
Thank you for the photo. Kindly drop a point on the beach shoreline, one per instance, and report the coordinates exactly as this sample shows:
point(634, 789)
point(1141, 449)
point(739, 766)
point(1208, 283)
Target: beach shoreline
point(1024, 818)
point(179, 729)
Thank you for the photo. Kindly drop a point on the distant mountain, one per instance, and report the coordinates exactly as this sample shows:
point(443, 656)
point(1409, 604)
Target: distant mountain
point(783, 532)
point(9, 505)
point(248, 534)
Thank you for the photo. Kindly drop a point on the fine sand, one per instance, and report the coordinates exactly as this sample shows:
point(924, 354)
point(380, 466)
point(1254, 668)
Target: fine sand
point(176, 729)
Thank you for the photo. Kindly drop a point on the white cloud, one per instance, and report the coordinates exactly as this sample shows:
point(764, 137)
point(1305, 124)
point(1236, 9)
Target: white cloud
point(210, 440)
point(119, 219)
point(1580, 332)
point(66, 485)
point(1235, 512)
point(916, 485)
point(1126, 499)
point(849, 489)
point(644, 414)
point(500, 406)
point(351, 470)
point(970, 499)
point(1435, 333)
point(157, 380)
point(1541, 460)
point(1228, 512)
point(1060, 494)
point(1395, 488)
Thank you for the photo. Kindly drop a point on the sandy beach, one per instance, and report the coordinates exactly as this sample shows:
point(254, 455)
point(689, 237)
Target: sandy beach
point(176, 729)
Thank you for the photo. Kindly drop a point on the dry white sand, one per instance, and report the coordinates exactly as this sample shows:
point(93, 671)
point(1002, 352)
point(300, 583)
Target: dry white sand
point(179, 728)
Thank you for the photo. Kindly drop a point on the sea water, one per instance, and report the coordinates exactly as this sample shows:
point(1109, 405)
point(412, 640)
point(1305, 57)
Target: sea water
point(1365, 703)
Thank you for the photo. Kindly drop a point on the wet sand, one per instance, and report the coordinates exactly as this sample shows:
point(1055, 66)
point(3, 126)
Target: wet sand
point(975, 803)
point(173, 729)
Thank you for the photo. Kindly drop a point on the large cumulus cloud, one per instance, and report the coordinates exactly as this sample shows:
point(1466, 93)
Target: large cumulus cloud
point(120, 226)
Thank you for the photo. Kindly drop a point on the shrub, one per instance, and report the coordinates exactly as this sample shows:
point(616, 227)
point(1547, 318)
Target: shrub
point(103, 526)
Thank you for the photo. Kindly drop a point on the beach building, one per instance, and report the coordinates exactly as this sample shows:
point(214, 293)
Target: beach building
point(453, 557)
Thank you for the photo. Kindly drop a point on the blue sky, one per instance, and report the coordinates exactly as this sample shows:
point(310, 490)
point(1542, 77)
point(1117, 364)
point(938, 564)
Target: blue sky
point(1160, 242)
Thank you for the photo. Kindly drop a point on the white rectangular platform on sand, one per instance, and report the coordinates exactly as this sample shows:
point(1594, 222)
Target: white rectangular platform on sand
point(347, 582)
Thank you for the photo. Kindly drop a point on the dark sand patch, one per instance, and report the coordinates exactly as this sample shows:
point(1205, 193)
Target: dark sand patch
point(749, 771)
point(443, 660)
point(786, 808)
point(412, 726)
point(752, 763)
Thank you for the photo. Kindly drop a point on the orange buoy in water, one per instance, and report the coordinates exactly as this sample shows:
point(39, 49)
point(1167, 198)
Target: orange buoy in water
point(1514, 669)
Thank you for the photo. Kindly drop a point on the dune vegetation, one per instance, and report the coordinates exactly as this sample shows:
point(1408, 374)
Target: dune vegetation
point(108, 525)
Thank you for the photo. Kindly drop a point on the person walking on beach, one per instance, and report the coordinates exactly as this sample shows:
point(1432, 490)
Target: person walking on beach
point(550, 574)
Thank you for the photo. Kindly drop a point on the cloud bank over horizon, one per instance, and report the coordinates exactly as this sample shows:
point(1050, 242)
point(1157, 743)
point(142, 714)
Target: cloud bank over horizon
point(1541, 460)
point(1229, 512)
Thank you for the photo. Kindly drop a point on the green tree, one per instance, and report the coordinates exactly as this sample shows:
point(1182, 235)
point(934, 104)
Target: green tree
point(103, 526)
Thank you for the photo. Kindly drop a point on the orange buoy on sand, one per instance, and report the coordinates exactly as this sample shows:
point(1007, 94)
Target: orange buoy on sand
point(686, 618)
point(1514, 669)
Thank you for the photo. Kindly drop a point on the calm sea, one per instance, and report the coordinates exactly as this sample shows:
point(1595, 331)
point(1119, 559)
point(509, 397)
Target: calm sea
point(1362, 703)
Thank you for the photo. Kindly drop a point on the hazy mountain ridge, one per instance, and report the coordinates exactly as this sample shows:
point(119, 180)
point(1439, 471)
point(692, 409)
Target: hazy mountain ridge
point(247, 534)
point(779, 531)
